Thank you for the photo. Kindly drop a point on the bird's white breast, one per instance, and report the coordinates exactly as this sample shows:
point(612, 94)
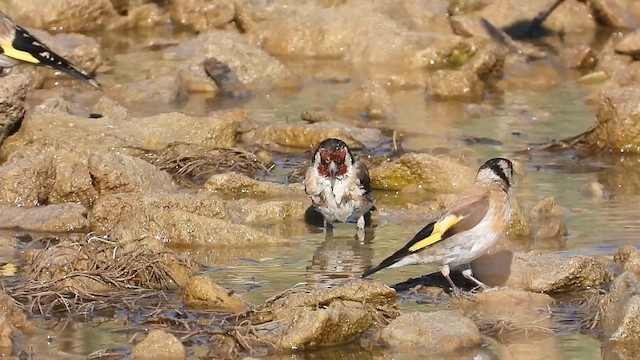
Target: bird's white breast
point(341, 198)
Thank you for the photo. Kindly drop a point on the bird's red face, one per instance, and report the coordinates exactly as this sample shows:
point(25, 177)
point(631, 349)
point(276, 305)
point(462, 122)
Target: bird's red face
point(332, 162)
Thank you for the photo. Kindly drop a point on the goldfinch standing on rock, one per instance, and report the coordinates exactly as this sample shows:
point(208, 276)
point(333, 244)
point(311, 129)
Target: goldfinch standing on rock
point(339, 187)
point(17, 45)
point(466, 230)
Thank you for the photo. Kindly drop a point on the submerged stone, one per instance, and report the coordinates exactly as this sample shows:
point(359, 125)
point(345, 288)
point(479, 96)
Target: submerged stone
point(69, 217)
point(441, 331)
point(312, 318)
point(620, 310)
point(202, 291)
point(553, 274)
point(431, 173)
point(159, 345)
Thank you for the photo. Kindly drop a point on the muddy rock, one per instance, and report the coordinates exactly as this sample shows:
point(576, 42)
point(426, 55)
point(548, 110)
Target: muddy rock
point(53, 106)
point(202, 291)
point(253, 211)
point(488, 60)
point(506, 299)
point(159, 345)
point(547, 220)
point(123, 6)
point(13, 90)
point(620, 309)
point(50, 218)
point(579, 57)
point(628, 258)
point(116, 173)
point(416, 15)
point(431, 173)
point(610, 61)
point(201, 15)
point(6, 336)
point(68, 178)
point(86, 135)
point(519, 308)
point(510, 15)
point(234, 183)
point(142, 16)
point(110, 108)
point(325, 316)
point(111, 209)
point(61, 15)
point(475, 26)
point(13, 322)
point(617, 121)
point(454, 85)
point(519, 222)
point(612, 13)
point(436, 332)
point(159, 89)
point(536, 76)
point(255, 68)
point(181, 228)
point(552, 274)
point(353, 32)
point(594, 190)
point(296, 137)
point(630, 44)
point(83, 51)
point(371, 100)
point(73, 181)
point(163, 129)
point(27, 181)
point(60, 176)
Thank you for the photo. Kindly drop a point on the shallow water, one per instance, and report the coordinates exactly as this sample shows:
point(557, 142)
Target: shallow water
point(596, 226)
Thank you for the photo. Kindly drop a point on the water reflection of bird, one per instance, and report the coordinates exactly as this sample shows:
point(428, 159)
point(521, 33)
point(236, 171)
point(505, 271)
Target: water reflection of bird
point(341, 257)
point(17, 46)
point(466, 230)
point(338, 185)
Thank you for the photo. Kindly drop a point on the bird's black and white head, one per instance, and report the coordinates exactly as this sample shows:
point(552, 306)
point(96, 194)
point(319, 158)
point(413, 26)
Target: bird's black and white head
point(332, 159)
point(496, 170)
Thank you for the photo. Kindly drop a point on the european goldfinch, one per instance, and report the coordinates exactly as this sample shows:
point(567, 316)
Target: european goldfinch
point(466, 229)
point(17, 45)
point(338, 185)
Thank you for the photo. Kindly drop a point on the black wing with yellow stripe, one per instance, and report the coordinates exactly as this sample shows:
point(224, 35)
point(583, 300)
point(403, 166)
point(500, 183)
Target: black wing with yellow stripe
point(455, 222)
point(17, 43)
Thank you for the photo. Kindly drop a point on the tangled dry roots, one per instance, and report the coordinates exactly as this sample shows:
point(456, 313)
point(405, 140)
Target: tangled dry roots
point(192, 165)
point(80, 277)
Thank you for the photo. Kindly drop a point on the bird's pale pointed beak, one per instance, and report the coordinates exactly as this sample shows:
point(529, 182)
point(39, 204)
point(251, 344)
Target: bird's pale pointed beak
point(333, 169)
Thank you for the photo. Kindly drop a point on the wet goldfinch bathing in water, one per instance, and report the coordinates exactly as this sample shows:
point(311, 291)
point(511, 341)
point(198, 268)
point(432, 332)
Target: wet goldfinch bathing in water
point(466, 229)
point(338, 185)
point(17, 46)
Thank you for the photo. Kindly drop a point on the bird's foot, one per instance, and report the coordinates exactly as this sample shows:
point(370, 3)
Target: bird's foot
point(482, 288)
point(463, 295)
point(414, 290)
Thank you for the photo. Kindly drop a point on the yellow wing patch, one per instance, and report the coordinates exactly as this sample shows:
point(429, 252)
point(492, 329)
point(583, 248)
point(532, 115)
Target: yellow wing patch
point(438, 230)
point(8, 269)
point(14, 53)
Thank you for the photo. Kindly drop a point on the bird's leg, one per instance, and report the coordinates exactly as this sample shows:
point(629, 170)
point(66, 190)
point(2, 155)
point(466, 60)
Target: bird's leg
point(446, 271)
point(468, 273)
point(360, 224)
point(360, 235)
